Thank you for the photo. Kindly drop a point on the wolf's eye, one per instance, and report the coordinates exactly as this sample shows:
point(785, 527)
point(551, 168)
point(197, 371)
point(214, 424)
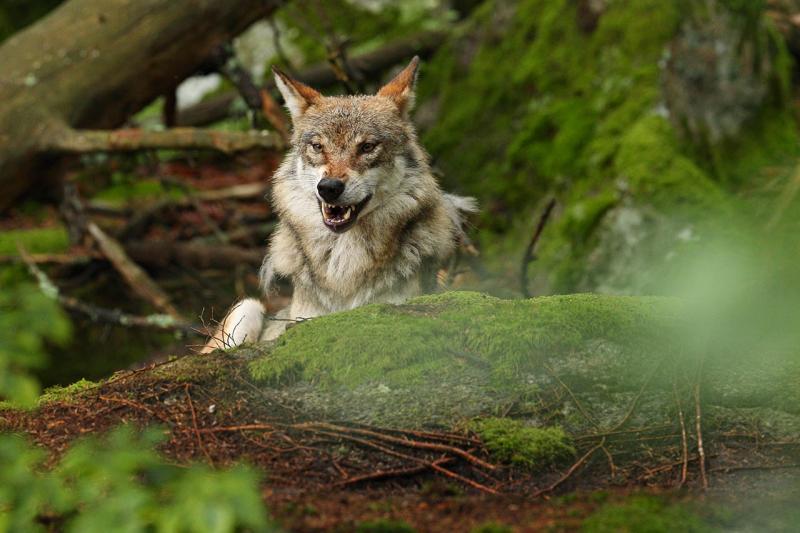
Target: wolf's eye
point(366, 148)
point(317, 147)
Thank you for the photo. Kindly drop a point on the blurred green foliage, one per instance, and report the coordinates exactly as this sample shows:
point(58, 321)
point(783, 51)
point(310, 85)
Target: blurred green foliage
point(120, 483)
point(35, 240)
point(28, 320)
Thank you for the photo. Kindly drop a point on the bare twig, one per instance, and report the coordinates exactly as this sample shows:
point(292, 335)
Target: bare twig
point(98, 313)
point(388, 451)
point(277, 44)
point(442, 436)
point(403, 442)
point(575, 400)
point(194, 425)
point(137, 406)
point(684, 439)
point(136, 278)
point(529, 255)
point(611, 466)
point(699, 428)
point(585, 457)
point(399, 472)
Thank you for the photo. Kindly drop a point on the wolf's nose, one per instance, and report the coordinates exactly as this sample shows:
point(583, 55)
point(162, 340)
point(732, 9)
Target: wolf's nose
point(330, 189)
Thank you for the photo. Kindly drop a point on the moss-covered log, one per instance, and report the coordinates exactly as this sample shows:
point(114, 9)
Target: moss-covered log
point(444, 358)
point(93, 63)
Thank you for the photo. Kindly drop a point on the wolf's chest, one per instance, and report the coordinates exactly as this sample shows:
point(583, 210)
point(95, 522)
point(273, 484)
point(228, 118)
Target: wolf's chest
point(350, 264)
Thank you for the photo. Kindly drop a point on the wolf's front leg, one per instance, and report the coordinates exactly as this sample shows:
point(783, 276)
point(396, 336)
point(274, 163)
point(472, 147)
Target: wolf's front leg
point(243, 323)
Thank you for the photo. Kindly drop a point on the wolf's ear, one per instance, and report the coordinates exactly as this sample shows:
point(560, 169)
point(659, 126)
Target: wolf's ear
point(298, 96)
point(401, 89)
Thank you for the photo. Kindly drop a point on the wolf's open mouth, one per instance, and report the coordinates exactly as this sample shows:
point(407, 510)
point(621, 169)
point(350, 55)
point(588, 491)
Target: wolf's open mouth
point(340, 218)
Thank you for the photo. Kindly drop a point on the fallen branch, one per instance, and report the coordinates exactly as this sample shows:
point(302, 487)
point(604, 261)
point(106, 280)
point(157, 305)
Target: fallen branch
point(529, 255)
point(408, 443)
point(398, 472)
point(136, 278)
point(585, 457)
point(395, 453)
point(99, 314)
point(131, 140)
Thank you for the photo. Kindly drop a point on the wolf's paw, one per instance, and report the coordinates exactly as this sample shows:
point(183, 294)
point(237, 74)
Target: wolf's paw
point(243, 323)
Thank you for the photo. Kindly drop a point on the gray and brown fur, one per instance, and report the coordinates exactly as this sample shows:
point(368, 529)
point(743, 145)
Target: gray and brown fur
point(405, 232)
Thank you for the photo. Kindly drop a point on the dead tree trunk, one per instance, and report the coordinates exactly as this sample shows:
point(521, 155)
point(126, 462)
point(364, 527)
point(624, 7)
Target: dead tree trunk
point(91, 64)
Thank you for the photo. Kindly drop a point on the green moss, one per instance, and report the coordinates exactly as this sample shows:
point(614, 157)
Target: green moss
point(66, 394)
point(384, 526)
point(582, 216)
point(127, 189)
point(590, 128)
point(650, 161)
point(35, 241)
point(513, 442)
point(555, 115)
point(492, 527)
point(643, 514)
point(442, 333)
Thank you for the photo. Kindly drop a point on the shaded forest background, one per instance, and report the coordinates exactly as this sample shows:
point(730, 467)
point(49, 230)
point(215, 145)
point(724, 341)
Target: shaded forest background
point(631, 148)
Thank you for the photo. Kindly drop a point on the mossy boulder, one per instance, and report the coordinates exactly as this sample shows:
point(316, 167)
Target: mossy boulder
point(441, 360)
point(592, 102)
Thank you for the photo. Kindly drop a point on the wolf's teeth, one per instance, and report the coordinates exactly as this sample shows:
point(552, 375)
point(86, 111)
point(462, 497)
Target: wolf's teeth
point(347, 214)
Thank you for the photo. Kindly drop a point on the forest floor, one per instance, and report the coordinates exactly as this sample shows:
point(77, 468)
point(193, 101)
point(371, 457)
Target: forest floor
point(334, 475)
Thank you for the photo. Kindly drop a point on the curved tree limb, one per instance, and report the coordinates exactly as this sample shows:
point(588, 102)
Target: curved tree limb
point(127, 140)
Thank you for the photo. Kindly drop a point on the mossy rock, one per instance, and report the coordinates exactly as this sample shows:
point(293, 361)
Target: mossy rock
point(597, 130)
point(444, 359)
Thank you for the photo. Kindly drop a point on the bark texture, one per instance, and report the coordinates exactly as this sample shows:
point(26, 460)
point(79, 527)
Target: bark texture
point(93, 63)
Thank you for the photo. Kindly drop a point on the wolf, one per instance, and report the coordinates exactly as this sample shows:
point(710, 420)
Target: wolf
point(362, 218)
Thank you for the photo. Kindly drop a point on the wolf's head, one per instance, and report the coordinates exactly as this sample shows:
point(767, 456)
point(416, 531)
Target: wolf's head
point(351, 150)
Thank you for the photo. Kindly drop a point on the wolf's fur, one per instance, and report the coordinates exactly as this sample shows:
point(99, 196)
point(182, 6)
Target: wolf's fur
point(405, 232)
